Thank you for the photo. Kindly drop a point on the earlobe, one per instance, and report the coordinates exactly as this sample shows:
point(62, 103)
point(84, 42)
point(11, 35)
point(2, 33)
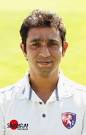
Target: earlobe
point(64, 48)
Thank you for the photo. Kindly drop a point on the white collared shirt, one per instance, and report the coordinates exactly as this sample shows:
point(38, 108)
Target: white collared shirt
point(22, 112)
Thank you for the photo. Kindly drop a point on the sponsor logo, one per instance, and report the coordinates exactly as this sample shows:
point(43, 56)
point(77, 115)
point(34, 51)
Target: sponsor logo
point(68, 119)
point(15, 125)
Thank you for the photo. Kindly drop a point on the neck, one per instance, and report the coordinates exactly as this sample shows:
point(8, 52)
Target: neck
point(43, 86)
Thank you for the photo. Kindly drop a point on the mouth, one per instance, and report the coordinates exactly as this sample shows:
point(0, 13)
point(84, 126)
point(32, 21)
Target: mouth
point(45, 63)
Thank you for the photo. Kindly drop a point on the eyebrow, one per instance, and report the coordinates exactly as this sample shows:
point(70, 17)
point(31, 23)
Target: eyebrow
point(53, 40)
point(49, 40)
point(36, 40)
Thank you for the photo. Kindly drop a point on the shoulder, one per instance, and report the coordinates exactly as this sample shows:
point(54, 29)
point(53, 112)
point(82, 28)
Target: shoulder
point(6, 92)
point(78, 90)
point(72, 84)
point(9, 92)
point(76, 86)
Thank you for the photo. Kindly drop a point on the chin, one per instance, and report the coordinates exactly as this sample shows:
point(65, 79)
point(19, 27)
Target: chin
point(45, 72)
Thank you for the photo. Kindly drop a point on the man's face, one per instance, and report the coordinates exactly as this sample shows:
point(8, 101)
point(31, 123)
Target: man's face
point(44, 50)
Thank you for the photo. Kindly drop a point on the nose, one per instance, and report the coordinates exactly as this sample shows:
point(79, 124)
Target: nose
point(44, 50)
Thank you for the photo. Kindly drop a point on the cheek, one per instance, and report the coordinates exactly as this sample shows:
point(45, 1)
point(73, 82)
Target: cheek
point(58, 52)
point(31, 55)
point(60, 49)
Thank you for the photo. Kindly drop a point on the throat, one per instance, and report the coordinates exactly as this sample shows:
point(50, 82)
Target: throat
point(43, 90)
point(43, 87)
point(44, 96)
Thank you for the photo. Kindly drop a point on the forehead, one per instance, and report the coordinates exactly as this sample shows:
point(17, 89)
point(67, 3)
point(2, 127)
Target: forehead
point(43, 33)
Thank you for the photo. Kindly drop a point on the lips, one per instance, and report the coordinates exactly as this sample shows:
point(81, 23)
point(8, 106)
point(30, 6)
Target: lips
point(43, 63)
point(47, 62)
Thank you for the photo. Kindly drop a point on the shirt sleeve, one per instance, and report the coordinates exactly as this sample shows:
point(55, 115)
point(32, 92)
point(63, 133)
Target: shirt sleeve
point(84, 124)
point(2, 129)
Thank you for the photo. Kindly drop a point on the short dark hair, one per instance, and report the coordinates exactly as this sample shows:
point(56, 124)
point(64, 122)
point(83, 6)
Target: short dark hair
point(40, 18)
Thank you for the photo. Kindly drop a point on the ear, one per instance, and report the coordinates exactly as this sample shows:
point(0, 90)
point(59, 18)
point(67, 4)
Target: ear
point(64, 47)
point(23, 48)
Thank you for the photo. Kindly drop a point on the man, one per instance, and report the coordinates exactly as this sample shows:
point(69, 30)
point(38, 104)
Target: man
point(44, 102)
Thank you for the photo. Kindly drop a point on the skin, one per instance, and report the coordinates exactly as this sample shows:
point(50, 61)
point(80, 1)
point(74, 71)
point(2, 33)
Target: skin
point(44, 52)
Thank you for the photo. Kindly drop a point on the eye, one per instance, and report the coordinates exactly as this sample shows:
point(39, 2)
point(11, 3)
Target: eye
point(35, 45)
point(53, 43)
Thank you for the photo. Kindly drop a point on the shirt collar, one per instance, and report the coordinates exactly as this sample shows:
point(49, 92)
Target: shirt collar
point(63, 90)
point(65, 87)
point(31, 95)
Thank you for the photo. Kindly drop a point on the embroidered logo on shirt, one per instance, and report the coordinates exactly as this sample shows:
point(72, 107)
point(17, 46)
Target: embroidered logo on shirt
point(68, 119)
point(14, 124)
